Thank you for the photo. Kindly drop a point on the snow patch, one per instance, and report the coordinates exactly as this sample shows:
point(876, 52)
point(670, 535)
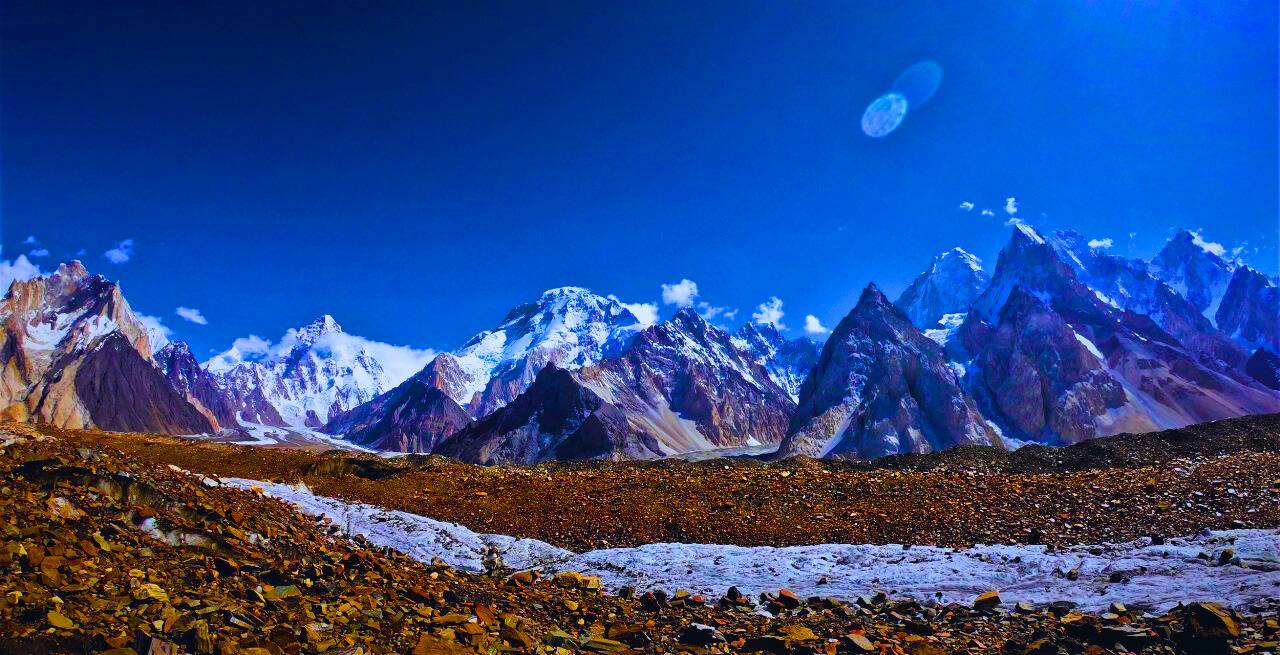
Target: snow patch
point(1156, 577)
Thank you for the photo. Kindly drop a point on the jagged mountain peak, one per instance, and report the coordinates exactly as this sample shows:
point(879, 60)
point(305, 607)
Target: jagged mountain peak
point(1195, 268)
point(879, 387)
point(941, 295)
point(319, 327)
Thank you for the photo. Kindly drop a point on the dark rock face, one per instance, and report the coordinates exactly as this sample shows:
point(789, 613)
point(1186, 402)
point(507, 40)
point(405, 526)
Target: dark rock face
point(1193, 271)
point(184, 374)
point(949, 285)
point(686, 370)
point(412, 418)
point(1250, 310)
point(124, 392)
point(555, 418)
point(1264, 366)
point(881, 387)
point(1037, 379)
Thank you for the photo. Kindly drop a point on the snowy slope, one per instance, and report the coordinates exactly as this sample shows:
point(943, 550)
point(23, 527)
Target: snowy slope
point(788, 361)
point(1158, 577)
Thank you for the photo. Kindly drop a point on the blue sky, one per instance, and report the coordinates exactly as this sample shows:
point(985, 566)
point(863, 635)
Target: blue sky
point(417, 170)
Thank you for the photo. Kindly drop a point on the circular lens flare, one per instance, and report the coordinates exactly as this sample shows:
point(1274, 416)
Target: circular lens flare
point(884, 115)
point(919, 82)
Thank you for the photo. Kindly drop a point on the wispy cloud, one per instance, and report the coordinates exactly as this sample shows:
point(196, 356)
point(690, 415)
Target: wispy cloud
point(967, 206)
point(813, 326)
point(988, 212)
point(1011, 205)
point(38, 252)
point(120, 254)
point(645, 312)
point(1101, 243)
point(770, 312)
point(680, 294)
point(1211, 247)
point(191, 314)
point(30, 240)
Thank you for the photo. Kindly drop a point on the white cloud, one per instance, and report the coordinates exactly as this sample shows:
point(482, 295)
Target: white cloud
point(251, 345)
point(1011, 205)
point(121, 253)
point(680, 294)
point(399, 362)
point(1210, 247)
point(1014, 221)
point(988, 212)
point(38, 252)
point(157, 331)
point(731, 314)
point(967, 206)
point(1101, 243)
point(645, 312)
point(770, 312)
point(709, 311)
point(814, 326)
point(18, 269)
point(191, 314)
point(30, 240)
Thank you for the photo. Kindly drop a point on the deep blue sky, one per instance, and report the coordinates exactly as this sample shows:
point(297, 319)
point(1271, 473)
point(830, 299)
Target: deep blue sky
point(416, 171)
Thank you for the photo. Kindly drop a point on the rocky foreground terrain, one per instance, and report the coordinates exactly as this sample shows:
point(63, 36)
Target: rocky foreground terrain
point(1173, 483)
point(110, 550)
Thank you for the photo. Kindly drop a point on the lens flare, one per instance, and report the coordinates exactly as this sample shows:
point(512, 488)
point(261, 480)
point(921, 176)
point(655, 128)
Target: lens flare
point(884, 115)
point(918, 83)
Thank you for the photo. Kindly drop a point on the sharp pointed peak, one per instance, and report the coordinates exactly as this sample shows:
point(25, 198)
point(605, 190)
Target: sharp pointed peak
point(872, 295)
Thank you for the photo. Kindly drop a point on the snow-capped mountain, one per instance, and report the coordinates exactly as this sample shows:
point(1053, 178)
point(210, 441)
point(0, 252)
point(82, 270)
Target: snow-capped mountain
point(1196, 269)
point(687, 383)
point(568, 326)
point(1128, 284)
point(941, 295)
point(74, 354)
point(788, 361)
point(882, 387)
point(1048, 359)
point(313, 374)
point(683, 386)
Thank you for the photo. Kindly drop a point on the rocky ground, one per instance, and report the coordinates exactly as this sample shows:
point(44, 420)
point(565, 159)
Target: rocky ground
point(1217, 475)
point(108, 551)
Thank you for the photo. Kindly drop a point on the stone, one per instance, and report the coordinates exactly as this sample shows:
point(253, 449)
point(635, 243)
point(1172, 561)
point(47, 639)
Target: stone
point(698, 634)
point(987, 600)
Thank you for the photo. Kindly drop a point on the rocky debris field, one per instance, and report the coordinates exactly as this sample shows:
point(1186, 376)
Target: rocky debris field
point(106, 552)
point(1223, 475)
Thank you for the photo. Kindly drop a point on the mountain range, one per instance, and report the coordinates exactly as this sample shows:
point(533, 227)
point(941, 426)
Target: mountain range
point(1059, 343)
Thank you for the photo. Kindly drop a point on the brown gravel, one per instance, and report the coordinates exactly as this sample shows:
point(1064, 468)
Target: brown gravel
point(1169, 484)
